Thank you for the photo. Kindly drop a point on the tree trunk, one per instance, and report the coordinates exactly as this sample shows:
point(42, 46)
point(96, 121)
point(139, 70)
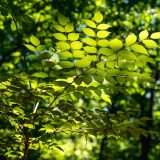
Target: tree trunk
point(102, 147)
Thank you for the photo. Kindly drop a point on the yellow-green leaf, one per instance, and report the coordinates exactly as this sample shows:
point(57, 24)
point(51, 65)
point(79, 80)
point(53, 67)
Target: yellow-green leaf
point(131, 39)
point(78, 54)
point(62, 20)
point(60, 36)
point(90, 23)
point(85, 62)
point(89, 32)
point(116, 44)
point(89, 41)
point(106, 98)
point(90, 49)
point(76, 45)
point(63, 45)
point(30, 126)
point(69, 27)
point(138, 48)
point(102, 34)
point(40, 74)
point(150, 43)
point(155, 35)
point(59, 28)
point(106, 51)
point(73, 36)
point(30, 47)
point(34, 40)
point(103, 43)
point(98, 17)
point(66, 64)
point(143, 35)
point(103, 26)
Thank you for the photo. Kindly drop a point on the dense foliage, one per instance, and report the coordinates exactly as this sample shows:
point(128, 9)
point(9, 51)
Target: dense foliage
point(76, 78)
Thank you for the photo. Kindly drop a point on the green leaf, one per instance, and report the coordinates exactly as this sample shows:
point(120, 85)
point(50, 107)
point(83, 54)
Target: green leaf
point(30, 126)
point(106, 51)
point(69, 27)
point(59, 28)
point(90, 23)
point(60, 36)
point(150, 43)
point(85, 62)
point(59, 148)
point(66, 64)
point(106, 98)
point(155, 35)
point(89, 41)
point(78, 54)
point(143, 35)
point(87, 80)
point(30, 47)
point(62, 20)
point(131, 39)
point(103, 26)
point(116, 44)
point(103, 34)
point(73, 36)
point(76, 45)
point(98, 17)
point(40, 74)
point(100, 65)
point(63, 45)
point(65, 55)
point(34, 40)
point(139, 48)
point(90, 49)
point(41, 48)
point(87, 93)
point(103, 43)
point(89, 32)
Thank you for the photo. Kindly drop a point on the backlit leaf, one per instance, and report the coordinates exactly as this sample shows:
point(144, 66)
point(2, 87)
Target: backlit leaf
point(89, 41)
point(63, 45)
point(90, 49)
point(102, 34)
point(103, 26)
point(60, 36)
point(78, 54)
point(59, 28)
point(66, 64)
point(73, 36)
point(155, 35)
point(40, 74)
point(116, 44)
point(103, 43)
point(62, 20)
point(131, 39)
point(139, 48)
point(106, 98)
point(85, 62)
point(30, 47)
point(76, 45)
point(90, 23)
point(89, 32)
point(34, 40)
point(98, 17)
point(106, 51)
point(69, 27)
point(143, 35)
point(150, 43)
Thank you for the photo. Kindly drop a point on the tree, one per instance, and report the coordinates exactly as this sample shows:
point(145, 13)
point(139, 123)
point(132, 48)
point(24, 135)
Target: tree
point(84, 67)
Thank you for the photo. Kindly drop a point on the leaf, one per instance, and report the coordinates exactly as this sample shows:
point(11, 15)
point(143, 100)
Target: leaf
point(103, 43)
point(116, 44)
point(65, 55)
point(30, 47)
point(30, 126)
point(78, 54)
point(63, 45)
point(41, 48)
point(106, 51)
point(106, 98)
point(62, 20)
point(73, 36)
point(90, 23)
point(59, 148)
point(89, 32)
point(76, 45)
point(143, 35)
point(155, 35)
point(103, 26)
point(40, 74)
point(90, 49)
point(34, 40)
point(89, 41)
point(103, 34)
point(139, 48)
point(131, 39)
point(150, 43)
point(69, 27)
point(85, 62)
point(66, 64)
point(98, 17)
point(59, 28)
point(60, 36)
